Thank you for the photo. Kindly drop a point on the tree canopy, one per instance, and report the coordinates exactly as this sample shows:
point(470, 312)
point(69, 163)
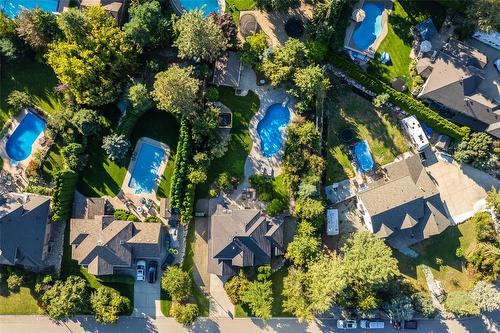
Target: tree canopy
point(37, 28)
point(176, 283)
point(107, 304)
point(66, 298)
point(304, 246)
point(485, 14)
point(284, 61)
point(259, 297)
point(147, 26)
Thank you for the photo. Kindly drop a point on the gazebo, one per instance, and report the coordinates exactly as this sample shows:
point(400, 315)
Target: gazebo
point(358, 15)
point(248, 25)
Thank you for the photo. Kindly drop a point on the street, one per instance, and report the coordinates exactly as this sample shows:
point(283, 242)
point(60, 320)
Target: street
point(489, 323)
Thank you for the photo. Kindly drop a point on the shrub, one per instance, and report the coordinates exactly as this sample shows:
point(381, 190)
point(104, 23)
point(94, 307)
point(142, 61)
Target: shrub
point(253, 49)
point(107, 304)
point(224, 181)
point(73, 156)
point(493, 200)
point(486, 296)
point(62, 199)
point(188, 204)
point(184, 314)
point(14, 282)
point(236, 287)
point(264, 273)
point(176, 283)
point(275, 207)
point(461, 304)
point(400, 308)
point(212, 94)
point(422, 303)
point(485, 260)
point(476, 151)
point(152, 218)
point(181, 166)
point(484, 227)
point(125, 215)
point(116, 146)
point(19, 100)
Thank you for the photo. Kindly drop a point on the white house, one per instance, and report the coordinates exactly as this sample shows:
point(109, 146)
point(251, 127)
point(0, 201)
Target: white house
point(415, 132)
point(489, 38)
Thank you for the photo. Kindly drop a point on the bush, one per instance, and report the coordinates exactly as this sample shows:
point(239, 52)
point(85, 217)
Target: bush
point(264, 273)
point(422, 303)
point(224, 181)
point(153, 219)
point(107, 303)
point(484, 227)
point(275, 207)
point(486, 296)
point(212, 94)
point(116, 146)
point(176, 283)
point(181, 166)
point(476, 151)
point(485, 260)
point(253, 49)
point(188, 204)
point(236, 287)
point(407, 103)
point(74, 158)
point(461, 304)
point(14, 282)
point(62, 199)
point(125, 215)
point(184, 314)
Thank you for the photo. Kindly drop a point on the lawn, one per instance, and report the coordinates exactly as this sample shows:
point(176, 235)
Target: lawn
point(277, 278)
point(452, 272)
point(19, 303)
point(243, 109)
point(357, 114)
point(234, 7)
point(399, 40)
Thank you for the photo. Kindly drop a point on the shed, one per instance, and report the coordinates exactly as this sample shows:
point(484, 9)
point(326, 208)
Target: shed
point(339, 192)
point(227, 70)
point(332, 222)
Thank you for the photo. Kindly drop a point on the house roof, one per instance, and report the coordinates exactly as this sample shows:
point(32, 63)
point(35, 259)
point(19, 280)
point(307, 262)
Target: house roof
point(95, 207)
point(227, 71)
point(467, 54)
point(23, 224)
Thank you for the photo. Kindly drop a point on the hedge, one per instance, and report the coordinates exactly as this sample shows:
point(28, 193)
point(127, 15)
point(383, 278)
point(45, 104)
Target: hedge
point(181, 167)
point(62, 200)
point(405, 102)
point(188, 204)
point(128, 121)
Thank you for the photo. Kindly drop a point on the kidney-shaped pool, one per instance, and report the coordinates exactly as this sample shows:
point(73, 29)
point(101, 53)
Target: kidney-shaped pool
point(20, 143)
point(270, 129)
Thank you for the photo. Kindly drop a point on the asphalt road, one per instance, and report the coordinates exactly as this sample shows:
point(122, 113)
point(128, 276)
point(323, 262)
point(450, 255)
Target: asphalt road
point(489, 323)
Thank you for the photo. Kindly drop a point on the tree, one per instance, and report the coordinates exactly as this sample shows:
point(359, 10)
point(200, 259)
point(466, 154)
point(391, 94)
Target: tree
point(14, 282)
point(139, 98)
point(198, 38)
point(276, 206)
point(66, 298)
point(304, 246)
point(485, 260)
point(311, 82)
point(422, 304)
point(37, 28)
point(19, 100)
point(184, 314)
point(279, 5)
point(461, 304)
point(400, 309)
point(477, 150)
point(175, 91)
point(147, 25)
point(87, 122)
point(224, 181)
point(311, 210)
point(484, 227)
point(484, 14)
point(10, 47)
point(116, 146)
point(197, 176)
point(380, 100)
point(205, 127)
point(253, 49)
point(93, 57)
point(236, 287)
point(259, 297)
point(284, 61)
point(73, 156)
point(176, 283)
point(493, 200)
point(107, 304)
point(486, 296)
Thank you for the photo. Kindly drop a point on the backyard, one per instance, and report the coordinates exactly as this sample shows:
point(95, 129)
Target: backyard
point(234, 7)
point(358, 115)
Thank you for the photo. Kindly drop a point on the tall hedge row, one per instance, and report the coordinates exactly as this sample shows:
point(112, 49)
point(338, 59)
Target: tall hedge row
point(181, 166)
point(188, 204)
point(405, 102)
point(64, 190)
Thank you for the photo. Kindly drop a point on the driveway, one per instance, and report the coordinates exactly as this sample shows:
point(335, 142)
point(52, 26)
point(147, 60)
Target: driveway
point(462, 187)
point(146, 295)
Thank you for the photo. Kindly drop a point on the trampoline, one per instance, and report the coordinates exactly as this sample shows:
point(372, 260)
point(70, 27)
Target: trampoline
point(248, 25)
point(294, 28)
point(346, 135)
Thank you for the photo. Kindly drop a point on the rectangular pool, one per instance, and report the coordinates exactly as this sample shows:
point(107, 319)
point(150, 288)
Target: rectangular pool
point(146, 168)
point(363, 156)
point(13, 7)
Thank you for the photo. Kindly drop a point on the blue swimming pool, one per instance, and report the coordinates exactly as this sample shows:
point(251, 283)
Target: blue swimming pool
point(363, 156)
point(12, 7)
point(208, 6)
point(20, 143)
point(370, 28)
point(146, 168)
point(270, 128)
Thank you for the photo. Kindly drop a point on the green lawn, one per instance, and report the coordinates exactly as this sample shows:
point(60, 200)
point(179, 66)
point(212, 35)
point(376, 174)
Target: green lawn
point(53, 162)
point(243, 109)
point(452, 273)
point(234, 7)
point(357, 114)
point(399, 40)
point(277, 278)
point(19, 303)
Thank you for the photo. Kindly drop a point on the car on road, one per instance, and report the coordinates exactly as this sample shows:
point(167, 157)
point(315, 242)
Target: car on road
point(497, 64)
point(141, 269)
point(169, 260)
point(347, 324)
point(371, 324)
point(152, 270)
point(410, 325)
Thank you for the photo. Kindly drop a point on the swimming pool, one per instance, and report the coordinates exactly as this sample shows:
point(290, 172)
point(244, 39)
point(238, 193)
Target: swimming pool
point(12, 7)
point(20, 143)
point(208, 6)
point(370, 28)
point(363, 156)
point(270, 128)
point(146, 168)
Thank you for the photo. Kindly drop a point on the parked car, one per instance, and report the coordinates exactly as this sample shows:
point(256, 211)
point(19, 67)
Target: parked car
point(372, 323)
point(169, 260)
point(141, 268)
point(410, 325)
point(347, 324)
point(497, 64)
point(153, 268)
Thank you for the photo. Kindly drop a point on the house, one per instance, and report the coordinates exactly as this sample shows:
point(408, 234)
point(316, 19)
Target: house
point(415, 132)
point(102, 244)
point(457, 82)
point(25, 231)
point(405, 206)
point(242, 238)
point(115, 8)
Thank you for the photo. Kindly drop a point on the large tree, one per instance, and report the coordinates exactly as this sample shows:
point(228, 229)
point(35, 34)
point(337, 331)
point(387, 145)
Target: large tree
point(198, 37)
point(147, 26)
point(311, 83)
point(107, 304)
point(304, 246)
point(175, 91)
point(485, 14)
point(139, 98)
point(176, 283)
point(86, 121)
point(93, 57)
point(311, 210)
point(66, 298)
point(37, 28)
point(259, 297)
point(284, 61)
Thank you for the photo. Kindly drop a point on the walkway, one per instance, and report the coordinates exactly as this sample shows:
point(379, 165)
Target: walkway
point(220, 305)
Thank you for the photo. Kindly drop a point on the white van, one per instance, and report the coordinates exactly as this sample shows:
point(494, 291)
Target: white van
point(371, 324)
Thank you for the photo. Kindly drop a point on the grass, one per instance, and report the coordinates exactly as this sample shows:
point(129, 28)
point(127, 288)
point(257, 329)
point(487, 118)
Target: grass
point(380, 131)
point(31, 76)
point(277, 279)
point(19, 303)
point(399, 40)
point(243, 109)
point(234, 7)
point(53, 162)
point(452, 272)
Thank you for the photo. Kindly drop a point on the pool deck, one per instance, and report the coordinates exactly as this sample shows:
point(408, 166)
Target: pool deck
point(37, 145)
point(128, 192)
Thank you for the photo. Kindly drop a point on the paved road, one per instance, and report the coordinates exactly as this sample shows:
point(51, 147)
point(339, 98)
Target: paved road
point(21, 324)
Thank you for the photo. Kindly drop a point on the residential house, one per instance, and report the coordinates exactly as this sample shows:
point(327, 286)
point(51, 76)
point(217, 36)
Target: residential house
point(25, 231)
point(454, 82)
point(405, 206)
point(242, 238)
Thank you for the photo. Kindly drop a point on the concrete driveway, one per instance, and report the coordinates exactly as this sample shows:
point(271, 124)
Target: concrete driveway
point(146, 297)
point(462, 187)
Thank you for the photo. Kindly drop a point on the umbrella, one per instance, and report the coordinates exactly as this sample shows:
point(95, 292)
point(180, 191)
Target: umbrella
point(358, 15)
point(425, 46)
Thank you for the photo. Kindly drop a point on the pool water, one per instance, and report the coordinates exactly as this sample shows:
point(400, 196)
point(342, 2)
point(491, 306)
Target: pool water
point(363, 156)
point(370, 28)
point(146, 168)
point(207, 6)
point(13, 7)
point(270, 129)
point(20, 143)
